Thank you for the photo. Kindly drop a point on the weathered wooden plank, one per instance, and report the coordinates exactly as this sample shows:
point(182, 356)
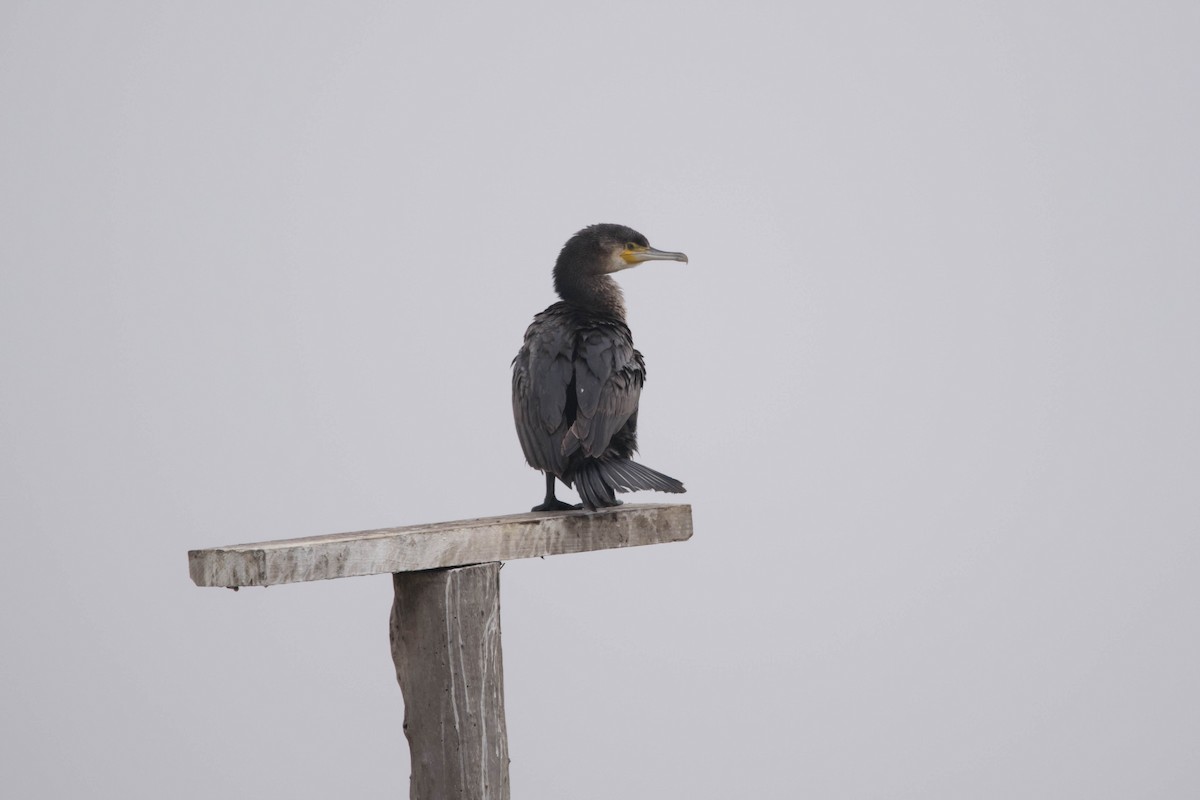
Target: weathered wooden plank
point(443, 544)
point(445, 632)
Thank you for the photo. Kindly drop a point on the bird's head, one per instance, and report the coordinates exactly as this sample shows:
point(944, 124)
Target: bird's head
point(607, 248)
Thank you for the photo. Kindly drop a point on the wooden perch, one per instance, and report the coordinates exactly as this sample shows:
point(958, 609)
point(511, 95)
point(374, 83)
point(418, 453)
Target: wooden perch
point(445, 622)
point(442, 544)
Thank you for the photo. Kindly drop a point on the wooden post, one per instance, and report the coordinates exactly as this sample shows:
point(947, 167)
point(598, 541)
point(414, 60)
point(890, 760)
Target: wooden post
point(445, 635)
point(445, 624)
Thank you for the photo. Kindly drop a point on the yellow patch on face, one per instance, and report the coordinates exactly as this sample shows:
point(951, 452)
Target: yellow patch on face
point(631, 255)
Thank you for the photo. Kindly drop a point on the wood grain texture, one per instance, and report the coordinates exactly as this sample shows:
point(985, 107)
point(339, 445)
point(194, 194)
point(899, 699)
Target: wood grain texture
point(445, 632)
point(443, 544)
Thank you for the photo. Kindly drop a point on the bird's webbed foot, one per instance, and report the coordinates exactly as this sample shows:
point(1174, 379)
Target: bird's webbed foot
point(557, 505)
point(552, 503)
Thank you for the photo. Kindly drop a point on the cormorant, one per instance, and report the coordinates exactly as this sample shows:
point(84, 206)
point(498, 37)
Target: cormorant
point(577, 379)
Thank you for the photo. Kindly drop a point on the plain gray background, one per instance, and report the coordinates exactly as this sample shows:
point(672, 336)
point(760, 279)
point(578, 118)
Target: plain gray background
point(930, 378)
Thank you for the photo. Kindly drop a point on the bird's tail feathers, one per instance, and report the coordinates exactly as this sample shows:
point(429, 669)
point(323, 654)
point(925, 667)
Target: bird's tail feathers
point(596, 480)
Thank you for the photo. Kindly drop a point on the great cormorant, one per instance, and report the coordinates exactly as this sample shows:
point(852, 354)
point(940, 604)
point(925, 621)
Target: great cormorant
point(577, 379)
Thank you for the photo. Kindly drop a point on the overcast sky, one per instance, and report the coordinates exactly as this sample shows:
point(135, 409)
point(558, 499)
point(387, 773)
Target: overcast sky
point(931, 378)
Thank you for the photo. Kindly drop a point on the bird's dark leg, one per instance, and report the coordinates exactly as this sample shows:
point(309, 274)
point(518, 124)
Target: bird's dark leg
point(552, 503)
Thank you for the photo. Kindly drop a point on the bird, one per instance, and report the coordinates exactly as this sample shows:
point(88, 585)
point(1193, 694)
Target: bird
point(577, 378)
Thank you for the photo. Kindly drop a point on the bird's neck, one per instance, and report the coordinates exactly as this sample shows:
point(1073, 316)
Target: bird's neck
point(598, 293)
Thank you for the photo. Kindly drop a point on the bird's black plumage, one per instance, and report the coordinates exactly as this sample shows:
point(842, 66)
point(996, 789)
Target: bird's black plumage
point(577, 379)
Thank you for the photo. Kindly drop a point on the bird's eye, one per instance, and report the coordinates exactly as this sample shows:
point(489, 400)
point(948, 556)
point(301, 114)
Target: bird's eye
point(630, 246)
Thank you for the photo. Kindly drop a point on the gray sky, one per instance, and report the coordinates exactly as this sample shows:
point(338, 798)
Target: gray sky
point(930, 377)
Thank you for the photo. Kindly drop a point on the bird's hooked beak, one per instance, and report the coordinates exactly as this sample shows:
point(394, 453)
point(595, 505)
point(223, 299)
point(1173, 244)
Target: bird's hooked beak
point(636, 255)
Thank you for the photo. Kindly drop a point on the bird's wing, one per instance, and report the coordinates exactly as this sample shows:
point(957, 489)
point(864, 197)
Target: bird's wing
point(608, 383)
point(542, 373)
